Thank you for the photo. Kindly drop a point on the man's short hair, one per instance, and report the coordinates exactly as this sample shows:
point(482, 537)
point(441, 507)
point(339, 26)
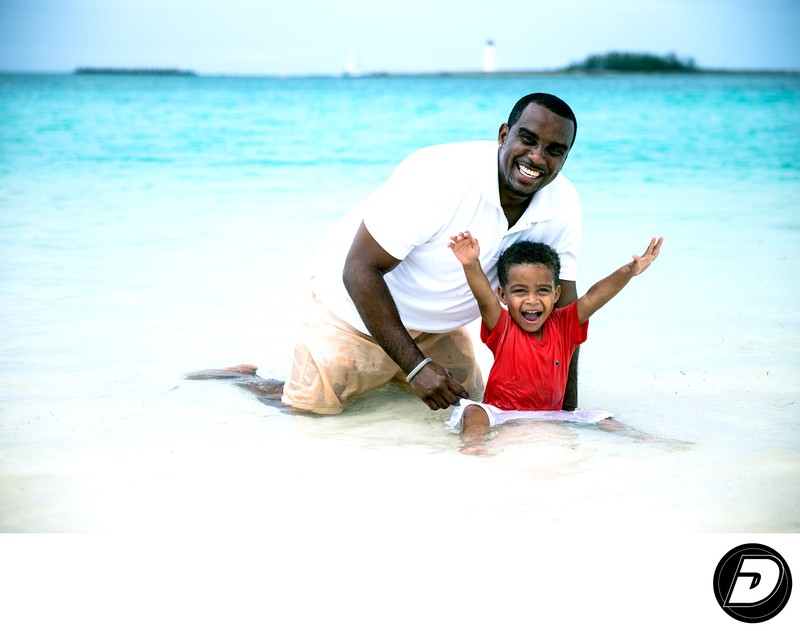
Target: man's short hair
point(548, 102)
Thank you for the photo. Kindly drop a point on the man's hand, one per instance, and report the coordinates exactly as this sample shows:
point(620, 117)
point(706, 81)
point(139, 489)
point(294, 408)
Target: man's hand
point(437, 387)
point(363, 272)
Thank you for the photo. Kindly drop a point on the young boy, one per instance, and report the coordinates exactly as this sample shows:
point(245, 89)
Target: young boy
point(532, 341)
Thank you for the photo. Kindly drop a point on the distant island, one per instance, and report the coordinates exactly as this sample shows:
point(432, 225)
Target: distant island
point(633, 62)
point(169, 72)
point(611, 63)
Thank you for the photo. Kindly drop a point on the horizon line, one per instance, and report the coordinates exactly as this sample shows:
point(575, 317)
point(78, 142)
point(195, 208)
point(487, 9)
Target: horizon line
point(184, 72)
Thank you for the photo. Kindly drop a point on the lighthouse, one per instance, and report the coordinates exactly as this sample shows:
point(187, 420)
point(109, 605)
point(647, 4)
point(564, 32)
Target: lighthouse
point(488, 64)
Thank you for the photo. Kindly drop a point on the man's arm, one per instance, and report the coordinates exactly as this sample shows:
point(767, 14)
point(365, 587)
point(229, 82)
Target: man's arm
point(569, 294)
point(364, 268)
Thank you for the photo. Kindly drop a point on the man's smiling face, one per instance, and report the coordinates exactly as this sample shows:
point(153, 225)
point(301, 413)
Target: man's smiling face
point(533, 151)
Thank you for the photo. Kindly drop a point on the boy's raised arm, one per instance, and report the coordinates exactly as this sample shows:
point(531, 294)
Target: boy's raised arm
point(604, 290)
point(467, 251)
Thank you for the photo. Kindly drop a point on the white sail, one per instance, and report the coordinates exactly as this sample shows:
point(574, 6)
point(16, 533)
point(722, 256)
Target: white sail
point(352, 67)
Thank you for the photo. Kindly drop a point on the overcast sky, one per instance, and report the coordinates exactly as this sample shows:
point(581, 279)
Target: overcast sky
point(317, 36)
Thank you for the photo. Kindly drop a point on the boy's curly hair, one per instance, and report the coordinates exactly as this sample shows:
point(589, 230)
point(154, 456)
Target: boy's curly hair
point(528, 252)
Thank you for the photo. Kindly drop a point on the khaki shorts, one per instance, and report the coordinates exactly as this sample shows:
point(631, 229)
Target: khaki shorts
point(334, 362)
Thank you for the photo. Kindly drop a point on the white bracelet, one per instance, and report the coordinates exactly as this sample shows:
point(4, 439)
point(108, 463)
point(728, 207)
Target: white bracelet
point(419, 367)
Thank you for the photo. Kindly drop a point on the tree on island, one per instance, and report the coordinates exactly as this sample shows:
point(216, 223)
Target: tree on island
point(633, 62)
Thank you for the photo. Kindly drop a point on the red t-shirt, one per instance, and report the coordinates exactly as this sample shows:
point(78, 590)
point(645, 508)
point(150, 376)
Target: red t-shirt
point(531, 374)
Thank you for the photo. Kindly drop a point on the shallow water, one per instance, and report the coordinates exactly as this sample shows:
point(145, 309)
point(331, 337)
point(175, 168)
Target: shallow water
point(152, 227)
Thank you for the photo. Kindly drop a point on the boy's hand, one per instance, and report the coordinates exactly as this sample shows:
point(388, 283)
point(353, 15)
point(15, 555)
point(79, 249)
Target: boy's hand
point(465, 247)
point(641, 263)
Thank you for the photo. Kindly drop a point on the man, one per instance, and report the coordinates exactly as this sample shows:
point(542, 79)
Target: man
point(389, 300)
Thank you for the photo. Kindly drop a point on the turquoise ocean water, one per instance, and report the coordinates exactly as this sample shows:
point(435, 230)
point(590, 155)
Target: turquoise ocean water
point(151, 226)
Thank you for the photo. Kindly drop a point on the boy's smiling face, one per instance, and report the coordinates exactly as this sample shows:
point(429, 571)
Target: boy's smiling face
point(531, 295)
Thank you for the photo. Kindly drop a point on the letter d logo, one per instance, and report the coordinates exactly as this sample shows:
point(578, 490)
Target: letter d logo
point(752, 583)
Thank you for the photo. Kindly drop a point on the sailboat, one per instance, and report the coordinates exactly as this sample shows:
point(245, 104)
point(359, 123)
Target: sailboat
point(352, 67)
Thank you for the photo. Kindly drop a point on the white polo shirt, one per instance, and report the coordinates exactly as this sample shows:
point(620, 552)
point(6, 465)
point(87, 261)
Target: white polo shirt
point(433, 194)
